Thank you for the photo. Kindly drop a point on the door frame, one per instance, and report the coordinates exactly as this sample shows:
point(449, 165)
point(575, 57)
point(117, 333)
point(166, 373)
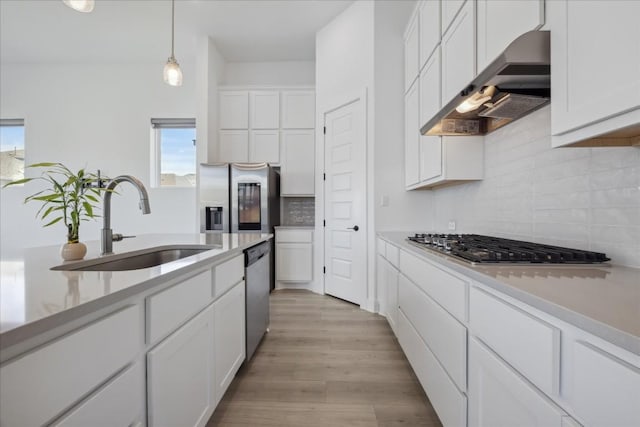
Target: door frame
point(369, 297)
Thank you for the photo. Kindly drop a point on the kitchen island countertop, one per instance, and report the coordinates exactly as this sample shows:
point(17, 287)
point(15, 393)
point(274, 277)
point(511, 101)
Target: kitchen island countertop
point(603, 300)
point(35, 299)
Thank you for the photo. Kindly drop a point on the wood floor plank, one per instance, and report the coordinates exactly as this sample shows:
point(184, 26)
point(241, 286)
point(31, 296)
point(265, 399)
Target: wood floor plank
point(325, 363)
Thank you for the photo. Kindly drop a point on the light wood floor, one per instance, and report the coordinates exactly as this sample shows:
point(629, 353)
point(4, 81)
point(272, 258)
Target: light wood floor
point(325, 363)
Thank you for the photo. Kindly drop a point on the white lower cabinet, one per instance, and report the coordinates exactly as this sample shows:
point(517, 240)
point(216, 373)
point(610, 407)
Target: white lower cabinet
point(229, 337)
point(180, 375)
point(294, 255)
point(499, 396)
point(391, 279)
point(448, 402)
point(119, 403)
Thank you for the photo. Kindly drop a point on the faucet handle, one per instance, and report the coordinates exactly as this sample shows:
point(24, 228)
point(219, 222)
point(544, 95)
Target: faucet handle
point(118, 237)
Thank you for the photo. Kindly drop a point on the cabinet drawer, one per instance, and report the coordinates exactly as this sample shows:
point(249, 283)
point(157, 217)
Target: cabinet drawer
point(381, 247)
point(605, 389)
point(169, 308)
point(449, 403)
point(119, 403)
point(444, 335)
point(393, 255)
point(499, 396)
point(527, 343)
point(447, 290)
point(44, 383)
point(294, 236)
point(228, 274)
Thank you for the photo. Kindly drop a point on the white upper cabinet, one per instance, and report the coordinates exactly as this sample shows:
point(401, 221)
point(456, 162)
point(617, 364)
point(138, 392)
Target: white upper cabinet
point(458, 52)
point(234, 146)
point(411, 52)
point(264, 146)
point(595, 78)
point(450, 9)
point(430, 101)
point(234, 109)
point(429, 23)
point(412, 136)
point(265, 109)
point(501, 22)
point(298, 110)
point(298, 163)
point(430, 158)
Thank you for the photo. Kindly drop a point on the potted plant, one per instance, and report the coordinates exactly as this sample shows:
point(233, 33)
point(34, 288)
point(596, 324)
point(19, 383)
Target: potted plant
point(69, 198)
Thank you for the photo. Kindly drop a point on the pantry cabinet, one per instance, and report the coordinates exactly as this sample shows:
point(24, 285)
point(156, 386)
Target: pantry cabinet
point(501, 22)
point(595, 78)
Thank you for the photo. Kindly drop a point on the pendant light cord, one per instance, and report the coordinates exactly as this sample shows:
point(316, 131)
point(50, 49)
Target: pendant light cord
point(173, 12)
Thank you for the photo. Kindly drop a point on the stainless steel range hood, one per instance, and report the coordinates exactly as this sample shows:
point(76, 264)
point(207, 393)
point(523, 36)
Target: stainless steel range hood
point(515, 84)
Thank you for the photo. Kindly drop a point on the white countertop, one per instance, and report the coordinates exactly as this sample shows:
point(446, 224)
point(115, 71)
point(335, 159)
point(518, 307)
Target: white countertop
point(603, 300)
point(34, 298)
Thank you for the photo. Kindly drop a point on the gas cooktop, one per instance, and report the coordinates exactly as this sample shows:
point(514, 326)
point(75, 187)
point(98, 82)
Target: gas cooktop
point(475, 248)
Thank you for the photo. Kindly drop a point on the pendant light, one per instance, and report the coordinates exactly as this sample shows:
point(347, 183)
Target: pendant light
point(84, 6)
point(172, 72)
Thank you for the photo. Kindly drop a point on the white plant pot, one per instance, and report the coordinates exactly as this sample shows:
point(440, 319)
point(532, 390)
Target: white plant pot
point(73, 251)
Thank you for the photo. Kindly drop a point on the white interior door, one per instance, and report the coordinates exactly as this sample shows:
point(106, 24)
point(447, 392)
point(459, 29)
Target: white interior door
point(345, 202)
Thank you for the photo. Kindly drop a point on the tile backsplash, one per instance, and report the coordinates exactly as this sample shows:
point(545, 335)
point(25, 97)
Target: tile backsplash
point(586, 198)
point(298, 211)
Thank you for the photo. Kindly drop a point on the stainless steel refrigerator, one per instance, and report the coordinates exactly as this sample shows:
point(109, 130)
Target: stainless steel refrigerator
point(239, 197)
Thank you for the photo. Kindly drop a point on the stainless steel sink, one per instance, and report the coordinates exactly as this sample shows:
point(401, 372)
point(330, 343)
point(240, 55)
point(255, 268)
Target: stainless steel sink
point(136, 260)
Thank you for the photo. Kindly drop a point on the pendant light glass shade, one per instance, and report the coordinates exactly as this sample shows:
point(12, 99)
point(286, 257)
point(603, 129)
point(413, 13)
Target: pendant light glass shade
point(172, 72)
point(84, 6)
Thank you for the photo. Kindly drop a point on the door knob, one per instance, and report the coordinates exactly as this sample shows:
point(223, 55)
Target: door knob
point(354, 228)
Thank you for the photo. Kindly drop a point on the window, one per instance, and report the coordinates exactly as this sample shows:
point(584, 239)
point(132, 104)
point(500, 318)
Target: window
point(173, 152)
point(11, 150)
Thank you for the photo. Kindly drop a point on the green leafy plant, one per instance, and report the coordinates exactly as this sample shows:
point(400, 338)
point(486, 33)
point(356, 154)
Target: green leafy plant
point(71, 197)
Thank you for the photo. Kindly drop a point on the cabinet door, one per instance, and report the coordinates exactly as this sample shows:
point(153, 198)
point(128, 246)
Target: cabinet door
point(430, 100)
point(298, 163)
point(392, 296)
point(430, 157)
point(501, 22)
point(458, 53)
point(595, 74)
point(229, 333)
point(234, 146)
point(381, 284)
point(412, 136)
point(429, 29)
point(294, 262)
point(180, 372)
point(265, 109)
point(498, 396)
point(234, 109)
point(449, 11)
point(298, 110)
point(264, 146)
point(411, 53)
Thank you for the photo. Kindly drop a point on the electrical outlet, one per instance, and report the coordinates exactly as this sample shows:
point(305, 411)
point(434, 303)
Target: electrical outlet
point(452, 226)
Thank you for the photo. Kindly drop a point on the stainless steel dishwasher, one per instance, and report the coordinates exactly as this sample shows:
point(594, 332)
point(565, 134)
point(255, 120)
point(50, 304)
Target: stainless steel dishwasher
point(257, 282)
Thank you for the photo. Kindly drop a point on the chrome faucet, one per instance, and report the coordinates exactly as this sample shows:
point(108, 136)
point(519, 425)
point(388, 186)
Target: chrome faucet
point(108, 237)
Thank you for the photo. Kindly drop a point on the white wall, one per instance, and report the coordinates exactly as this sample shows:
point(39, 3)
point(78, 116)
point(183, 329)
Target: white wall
point(587, 198)
point(406, 210)
point(279, 73)
point(95, 116)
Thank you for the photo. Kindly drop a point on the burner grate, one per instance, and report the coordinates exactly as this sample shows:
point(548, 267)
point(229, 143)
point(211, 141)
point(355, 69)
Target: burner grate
point(486, 249)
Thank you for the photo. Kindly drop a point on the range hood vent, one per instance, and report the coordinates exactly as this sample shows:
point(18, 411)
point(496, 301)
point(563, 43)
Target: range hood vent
point(515, 84)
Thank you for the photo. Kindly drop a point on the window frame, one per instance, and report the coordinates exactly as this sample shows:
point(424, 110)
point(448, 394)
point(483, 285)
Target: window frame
point(18, 122)
point(157, 125)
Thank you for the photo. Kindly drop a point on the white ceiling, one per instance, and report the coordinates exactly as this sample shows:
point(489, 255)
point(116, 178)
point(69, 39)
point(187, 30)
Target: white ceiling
point(140, 30)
